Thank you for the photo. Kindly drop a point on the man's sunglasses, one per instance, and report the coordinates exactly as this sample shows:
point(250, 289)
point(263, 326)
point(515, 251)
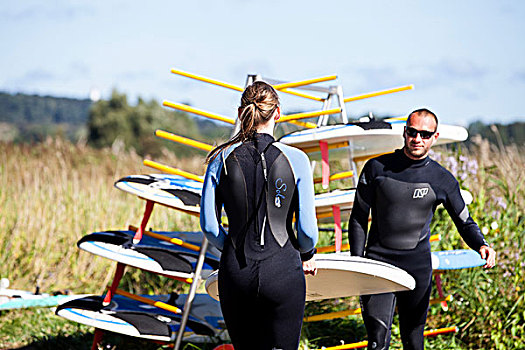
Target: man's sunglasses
point(424, 133)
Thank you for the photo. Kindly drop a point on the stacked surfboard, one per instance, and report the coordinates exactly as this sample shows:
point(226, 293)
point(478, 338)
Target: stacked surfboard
point(154, 317)
point(183, 256)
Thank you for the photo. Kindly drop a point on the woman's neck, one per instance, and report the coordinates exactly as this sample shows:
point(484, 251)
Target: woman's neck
point(266, 129)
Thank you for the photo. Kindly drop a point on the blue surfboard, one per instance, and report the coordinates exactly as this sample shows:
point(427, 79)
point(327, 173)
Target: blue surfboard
point(150, 253)
point(456, 259)
point(135, 318)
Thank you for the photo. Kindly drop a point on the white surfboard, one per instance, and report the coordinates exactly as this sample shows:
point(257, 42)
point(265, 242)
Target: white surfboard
point(137, 319)
point(340, 275)
point(366, 142)
point(150, 253)
point(171, 190)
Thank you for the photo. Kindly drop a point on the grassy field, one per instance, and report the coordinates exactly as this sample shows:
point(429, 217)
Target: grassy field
point(55, 192)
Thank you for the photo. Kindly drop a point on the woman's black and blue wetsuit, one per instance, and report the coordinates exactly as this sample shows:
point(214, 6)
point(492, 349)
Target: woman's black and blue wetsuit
point(402, 195)
point(262, 185)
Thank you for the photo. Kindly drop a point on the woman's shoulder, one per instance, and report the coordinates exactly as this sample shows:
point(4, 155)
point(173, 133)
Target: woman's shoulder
point(217, 162)
point(292, 153)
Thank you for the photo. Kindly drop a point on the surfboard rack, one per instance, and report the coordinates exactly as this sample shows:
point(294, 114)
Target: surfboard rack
point(119, 272)
point(113, 290)
point(120, 269)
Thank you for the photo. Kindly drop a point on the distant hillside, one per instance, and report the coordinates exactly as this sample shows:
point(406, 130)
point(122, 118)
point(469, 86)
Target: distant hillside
point(32, 118)
point(29, 118)
point(496, 133)
point(21, 108)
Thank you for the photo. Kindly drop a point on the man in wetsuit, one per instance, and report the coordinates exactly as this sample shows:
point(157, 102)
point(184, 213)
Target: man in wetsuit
point(403, 189)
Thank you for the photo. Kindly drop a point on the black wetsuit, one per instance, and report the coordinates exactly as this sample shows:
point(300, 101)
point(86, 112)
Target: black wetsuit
point(261, 280)
point(403, 194)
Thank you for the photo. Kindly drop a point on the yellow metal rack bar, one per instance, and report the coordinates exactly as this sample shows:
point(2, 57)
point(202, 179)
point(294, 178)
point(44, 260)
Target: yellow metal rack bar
point(183, 140)
point(286, 118)
point(378, 93)
point(148, 301)
point(186, 108)
point(303, 82)
point(170, 170)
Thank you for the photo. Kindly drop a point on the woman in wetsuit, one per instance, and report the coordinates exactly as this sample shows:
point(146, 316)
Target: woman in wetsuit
point(262, 185)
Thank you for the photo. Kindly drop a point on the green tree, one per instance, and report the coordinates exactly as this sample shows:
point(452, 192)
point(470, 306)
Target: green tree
point(114, 119)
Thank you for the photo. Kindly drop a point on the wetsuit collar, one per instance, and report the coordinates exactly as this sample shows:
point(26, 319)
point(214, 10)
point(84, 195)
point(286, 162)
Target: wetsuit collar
point(262, 140)
point(264, 136)
point(409, 161)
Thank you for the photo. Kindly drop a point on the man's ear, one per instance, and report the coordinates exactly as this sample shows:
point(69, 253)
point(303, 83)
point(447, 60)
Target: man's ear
point(434, 138)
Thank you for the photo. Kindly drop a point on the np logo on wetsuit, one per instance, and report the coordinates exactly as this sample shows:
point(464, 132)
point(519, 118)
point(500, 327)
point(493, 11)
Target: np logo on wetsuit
point(420, 192)
point(280, 186)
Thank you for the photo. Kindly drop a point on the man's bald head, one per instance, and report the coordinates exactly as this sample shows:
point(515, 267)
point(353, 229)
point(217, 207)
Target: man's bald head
point(422, 112)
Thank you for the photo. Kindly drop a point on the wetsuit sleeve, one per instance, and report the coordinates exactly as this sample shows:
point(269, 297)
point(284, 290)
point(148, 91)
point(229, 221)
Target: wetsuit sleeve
point(306, 224)
point(358, 224)
point(458, 211)
point(306, 221)
point(211, 206)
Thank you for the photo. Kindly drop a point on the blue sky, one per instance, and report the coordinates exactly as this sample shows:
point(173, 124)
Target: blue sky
point(465, 58)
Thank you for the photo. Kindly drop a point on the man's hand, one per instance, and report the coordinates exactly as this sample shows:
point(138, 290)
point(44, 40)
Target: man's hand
point(489, 255)
point(310, 267)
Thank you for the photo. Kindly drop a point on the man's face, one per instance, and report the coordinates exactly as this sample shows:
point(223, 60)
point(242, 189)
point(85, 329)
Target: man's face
point(416, 135)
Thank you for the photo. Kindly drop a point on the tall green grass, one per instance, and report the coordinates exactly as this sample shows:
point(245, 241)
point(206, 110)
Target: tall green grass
point(489, 307)
point(54, 193)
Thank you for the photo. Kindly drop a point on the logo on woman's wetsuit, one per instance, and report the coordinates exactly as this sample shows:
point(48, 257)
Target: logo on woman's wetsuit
point(280, 187)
